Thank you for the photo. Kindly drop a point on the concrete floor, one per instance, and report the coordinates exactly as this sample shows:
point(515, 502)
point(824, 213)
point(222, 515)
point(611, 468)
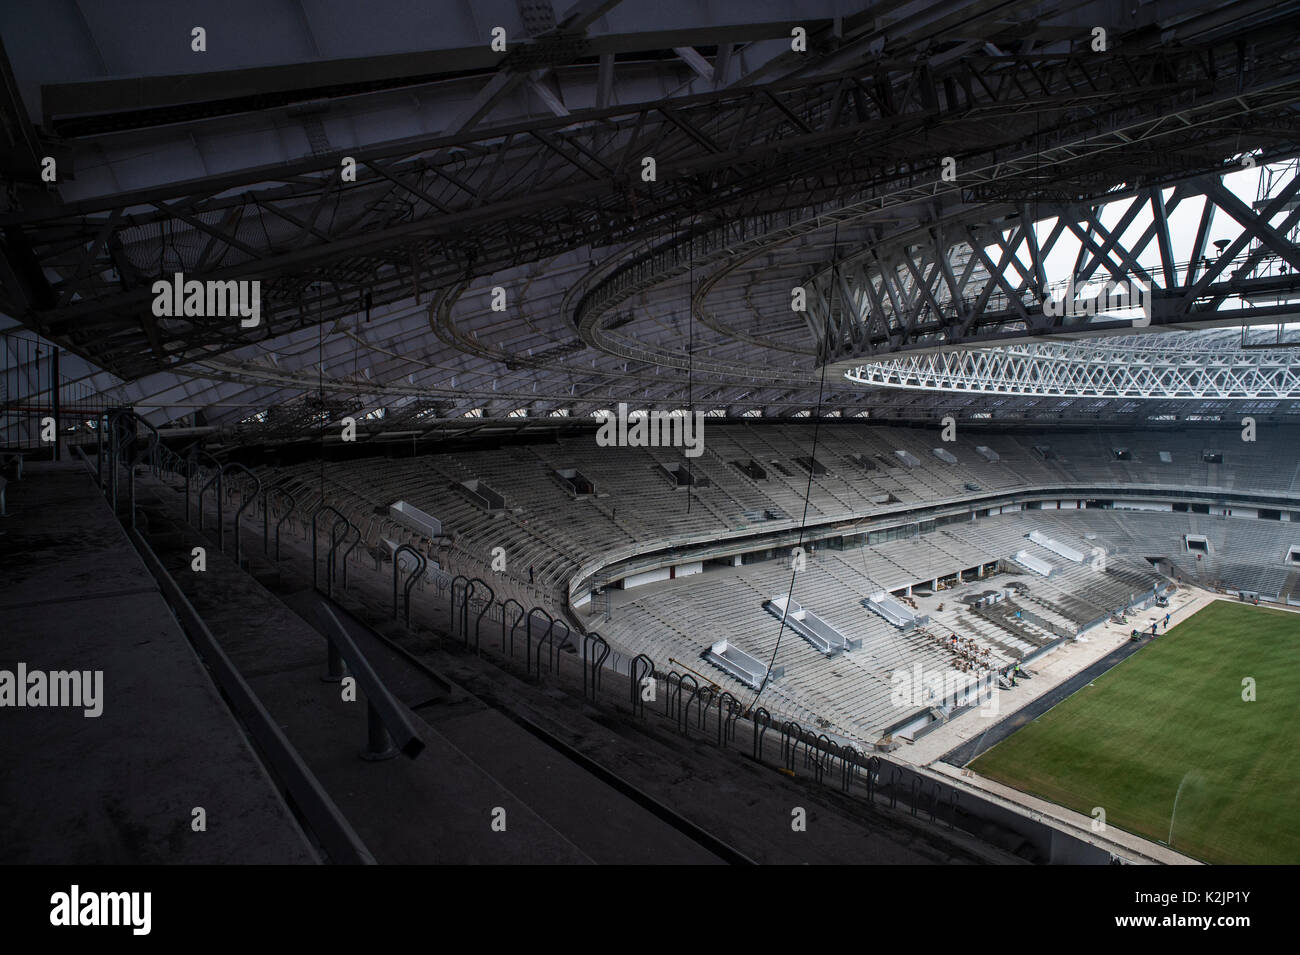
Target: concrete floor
point(120, 787)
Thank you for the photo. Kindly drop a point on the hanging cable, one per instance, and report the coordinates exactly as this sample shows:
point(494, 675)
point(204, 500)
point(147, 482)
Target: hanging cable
point(320, 389)
point(812, 466)
point(690, 361)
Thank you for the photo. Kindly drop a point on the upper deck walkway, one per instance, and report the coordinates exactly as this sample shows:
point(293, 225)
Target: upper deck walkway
point(120, 787)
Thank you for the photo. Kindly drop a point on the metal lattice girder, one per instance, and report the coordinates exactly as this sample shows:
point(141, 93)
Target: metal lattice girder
point(422, 214)
point(418, 217)
point(967, 284)
point(428, 212)
point(1195, 367)
point(1111, 150)
point(308, 384)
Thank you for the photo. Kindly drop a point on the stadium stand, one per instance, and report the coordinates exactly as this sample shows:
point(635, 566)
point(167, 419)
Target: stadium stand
point(555, 542)
point(652, 343)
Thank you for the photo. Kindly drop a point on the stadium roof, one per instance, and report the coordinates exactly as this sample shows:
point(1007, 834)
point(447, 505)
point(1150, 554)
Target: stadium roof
point(523, 171)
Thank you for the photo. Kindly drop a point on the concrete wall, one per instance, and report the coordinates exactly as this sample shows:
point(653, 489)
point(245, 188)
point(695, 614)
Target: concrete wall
point(640, 580)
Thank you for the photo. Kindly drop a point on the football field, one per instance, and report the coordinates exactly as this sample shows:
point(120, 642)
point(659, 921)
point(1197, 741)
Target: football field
point(1167, 746)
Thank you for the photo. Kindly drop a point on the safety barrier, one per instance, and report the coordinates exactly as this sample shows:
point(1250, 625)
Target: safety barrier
point(248, 499)
point(266, 516)
point(389, 730)
point(335, 541)
point(411, 580)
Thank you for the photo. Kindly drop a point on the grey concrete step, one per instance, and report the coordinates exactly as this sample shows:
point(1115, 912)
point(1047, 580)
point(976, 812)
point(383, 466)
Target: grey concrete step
point(120, 787)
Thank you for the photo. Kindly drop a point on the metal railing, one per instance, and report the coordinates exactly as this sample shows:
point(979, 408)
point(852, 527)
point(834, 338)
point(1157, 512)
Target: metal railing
point(389, 730)
point(335, 541)
point(221, 523)
point(266, 516)
point(34, 393)
point(247, 499)
point(411, 580)
point(690, 704)
point(307, 797)
point(716, 717)
point(317, 809)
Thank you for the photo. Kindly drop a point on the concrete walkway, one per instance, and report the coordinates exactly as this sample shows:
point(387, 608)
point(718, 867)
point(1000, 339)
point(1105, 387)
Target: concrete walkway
point(120, 787)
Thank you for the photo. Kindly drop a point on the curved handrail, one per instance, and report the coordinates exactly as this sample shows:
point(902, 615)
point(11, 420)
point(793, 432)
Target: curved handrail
point(872, 766)
point(195, 466)
point(528, 637)
point(468, 588)
point(684, 713)
point(761, 715)
point(727, 731)
point(706, 694)
point(788, 749)
point(592, 663)
point(118, 442)
point(151, 453)
point(165, 458)
point(191, 462)
point(150, 458)
point(831, 751)
point(487, 605)
point(101, 426)
point(348, 553)
point(513, 627)
point(412, 579)
point(116, 415)
point(221, 526)
point(672, 689)
point(553, 657)
point(647, 670)
point(152, 450)
point(547, 639)
point(849, 757)
point(123, 441)
point(809, 743)
point(314, 533)
point(266, 514)
point(128, 438)
point(331, 561)
point(936, 791)
point(248, 499)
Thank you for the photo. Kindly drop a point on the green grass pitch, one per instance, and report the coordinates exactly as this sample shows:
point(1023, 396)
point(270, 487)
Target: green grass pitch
point(1170, 723)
